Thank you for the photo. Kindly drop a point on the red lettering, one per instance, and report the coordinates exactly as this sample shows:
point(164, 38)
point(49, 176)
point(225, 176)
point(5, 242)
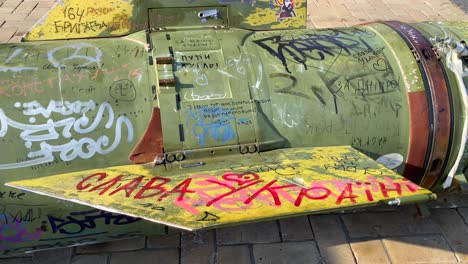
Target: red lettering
point(305, 192)
point(51, 81)
point(4, 92)
point(271, 190)
point(369, 195)
point(80, 75)
point(411, 186)
point(95, 75)
point(110, 184)
point(241, 179)
point(149, 186)
point(66, 77)
point(17, 90)
point(347, 194)
point(385, 190)
point(108, 71)
point(80, 186)
point(129, 187)
point(36, 89)
point(208, 204)
point(135, 73)
point(181, 188)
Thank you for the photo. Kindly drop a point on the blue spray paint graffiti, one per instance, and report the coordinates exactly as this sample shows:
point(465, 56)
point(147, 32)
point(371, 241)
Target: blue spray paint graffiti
point(77, 222)
point(213, 122)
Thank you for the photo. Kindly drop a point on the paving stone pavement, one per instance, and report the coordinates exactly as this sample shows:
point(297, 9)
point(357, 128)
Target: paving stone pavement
point(364, 236)
point(462, 4)
point(378, 235)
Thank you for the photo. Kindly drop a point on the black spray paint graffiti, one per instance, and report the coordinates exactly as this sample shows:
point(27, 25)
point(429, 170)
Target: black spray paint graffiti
point(313, 46)
point(19, 215)
point(280, 169)
point(209, 217)
point(363, 86)
point(78, 222)
point(317, 91)
point(12, 195)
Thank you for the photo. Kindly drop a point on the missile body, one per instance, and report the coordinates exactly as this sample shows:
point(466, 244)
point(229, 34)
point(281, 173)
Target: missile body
point(181, 99)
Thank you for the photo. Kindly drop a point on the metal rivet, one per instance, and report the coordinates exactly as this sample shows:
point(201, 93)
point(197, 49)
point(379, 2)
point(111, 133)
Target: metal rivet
point(180, 156)
point(252, 149)
point(244, 150)
point(171, 158)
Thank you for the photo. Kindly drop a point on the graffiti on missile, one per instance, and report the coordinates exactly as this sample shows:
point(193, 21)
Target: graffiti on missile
point(74, 18)
point(291, 182)
point(217, 121)
point(16, 233)
point(314, 46)
point(78, 222)
point(16, 53)
point(20, 214)
point(240, 191)
point(212, 122)
point(42, 137)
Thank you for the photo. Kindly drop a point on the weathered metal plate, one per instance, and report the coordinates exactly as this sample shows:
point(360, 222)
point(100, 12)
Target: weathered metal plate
point(301, 181)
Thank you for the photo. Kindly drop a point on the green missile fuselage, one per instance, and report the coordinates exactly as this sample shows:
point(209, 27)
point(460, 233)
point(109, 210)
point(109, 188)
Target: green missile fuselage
point(195, 99)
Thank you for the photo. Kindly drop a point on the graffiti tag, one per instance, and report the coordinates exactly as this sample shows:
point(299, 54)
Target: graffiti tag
point(43, 134)
point(78, 222)
point(312, 46)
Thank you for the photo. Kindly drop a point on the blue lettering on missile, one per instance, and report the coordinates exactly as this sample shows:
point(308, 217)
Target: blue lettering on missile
point(214, 122)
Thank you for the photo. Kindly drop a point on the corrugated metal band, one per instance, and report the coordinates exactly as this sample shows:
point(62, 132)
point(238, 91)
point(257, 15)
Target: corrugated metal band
point(431, 127)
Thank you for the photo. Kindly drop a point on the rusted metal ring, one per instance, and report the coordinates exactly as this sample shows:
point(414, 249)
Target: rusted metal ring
point(439, 111)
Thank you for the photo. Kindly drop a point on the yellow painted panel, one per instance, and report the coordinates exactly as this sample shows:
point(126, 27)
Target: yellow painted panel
point(289, 15)
point(295, 181)
point(84, 19)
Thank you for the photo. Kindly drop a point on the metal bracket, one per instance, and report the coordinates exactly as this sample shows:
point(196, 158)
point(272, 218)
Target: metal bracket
point(416, 55)
point(206, 14)
point(436, 53)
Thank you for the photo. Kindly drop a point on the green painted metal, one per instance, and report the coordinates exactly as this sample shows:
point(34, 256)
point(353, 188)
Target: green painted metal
point(223, 93)
point(97, 81)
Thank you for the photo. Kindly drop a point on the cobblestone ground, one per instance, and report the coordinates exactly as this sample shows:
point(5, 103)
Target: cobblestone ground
point(379, 235)
point(462, 4)
point(334, 13)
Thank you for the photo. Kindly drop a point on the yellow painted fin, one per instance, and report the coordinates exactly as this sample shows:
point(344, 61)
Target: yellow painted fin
point(249, 188)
